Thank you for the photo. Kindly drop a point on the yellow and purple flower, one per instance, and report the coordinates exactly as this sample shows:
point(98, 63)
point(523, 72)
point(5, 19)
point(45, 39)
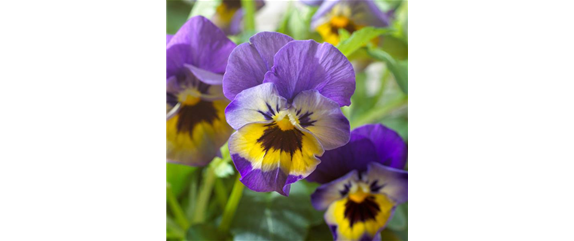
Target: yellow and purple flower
point(196, 60)
point(286, 104)
point(350, 15)
point(229, 14)
point(363, 182)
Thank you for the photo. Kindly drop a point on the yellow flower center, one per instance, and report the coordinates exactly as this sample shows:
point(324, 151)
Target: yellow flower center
point(339, 21)
point(285, 120)
point(359, 196)
point(189, 97)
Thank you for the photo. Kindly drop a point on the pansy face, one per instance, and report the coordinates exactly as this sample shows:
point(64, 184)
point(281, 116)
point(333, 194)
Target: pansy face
point(348, 15)
point(359, 205)
point(284, 111)
point(363, 182)
point(196, 126)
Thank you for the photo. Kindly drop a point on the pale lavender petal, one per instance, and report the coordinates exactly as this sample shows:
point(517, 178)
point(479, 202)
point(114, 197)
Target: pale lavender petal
point(332, 191)
point(323, 117)
point(256, 104)
point(308, 65)
point(205, 76)
point(389, 181)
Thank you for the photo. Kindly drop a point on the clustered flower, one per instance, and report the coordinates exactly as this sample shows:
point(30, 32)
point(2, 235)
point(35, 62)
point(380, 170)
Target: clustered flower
point(277, 101)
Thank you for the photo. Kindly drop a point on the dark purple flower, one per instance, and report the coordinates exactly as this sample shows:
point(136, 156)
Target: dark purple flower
point(350, 15)
point(196, 59)
point(363, 182)
point(286, 108)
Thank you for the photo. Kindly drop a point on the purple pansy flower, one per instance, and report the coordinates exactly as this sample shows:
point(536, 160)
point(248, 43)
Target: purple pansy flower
point(363, 182)
point(229, 14)
point(196, 59)
point(350, 15)
point(286, 104)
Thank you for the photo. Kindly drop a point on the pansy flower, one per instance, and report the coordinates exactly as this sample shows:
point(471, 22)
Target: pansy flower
point(286, 104)
point(350, 15)
point(196, 59)
point(363, 182)
point(229, 14)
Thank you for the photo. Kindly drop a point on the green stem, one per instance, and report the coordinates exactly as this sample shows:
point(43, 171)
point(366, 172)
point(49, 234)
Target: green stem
point(249, 18)
point(376, 115)
point(204, 194)
point(192, 196)
point(176, 209)
point(220, 192)
point(231, 207)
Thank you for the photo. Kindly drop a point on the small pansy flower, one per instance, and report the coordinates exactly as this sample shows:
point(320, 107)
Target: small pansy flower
point(363, 182)
point(229, 15)
point(286, 104)
point(350, 15)
point(196, 59)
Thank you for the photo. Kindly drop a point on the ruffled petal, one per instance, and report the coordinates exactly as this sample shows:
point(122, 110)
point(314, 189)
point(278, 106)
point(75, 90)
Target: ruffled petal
point(269, 159)
point(391, 148)
point(388, 181)
point(323, 117)
point(257, 104)
point(333, 191)
point(249, 62)
point(356, 155)
point(347, 224)
point(195, 133)
point(199, 43)
point(308, 65)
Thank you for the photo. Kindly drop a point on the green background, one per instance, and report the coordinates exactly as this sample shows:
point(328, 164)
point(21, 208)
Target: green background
point(490, 120)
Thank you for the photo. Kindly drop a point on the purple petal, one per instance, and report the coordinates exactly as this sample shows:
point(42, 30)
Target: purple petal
point(365, 13)
point(199, 43)
point(330, 192)
point(308, 65)
point(323, 117)
point(256, 104)
point(268, 44)
point(205, 76)
point(393, 182)
point(356, 155)
point(321, 15)
point(391, 148)
point(249, 62)
point(169, 36)
point(312, 2)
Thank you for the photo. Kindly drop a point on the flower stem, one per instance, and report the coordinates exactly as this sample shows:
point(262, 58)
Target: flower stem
point(231, 206)
point(204, 194)
point(176, 209)
point(220, 192)
point(249, 18)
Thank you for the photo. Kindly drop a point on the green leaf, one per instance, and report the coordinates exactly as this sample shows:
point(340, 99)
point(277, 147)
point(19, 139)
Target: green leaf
point(177, 12)
point(398, 68)
point(205, 231)
point(270, 216)
point(396, 47)
point(343, 34)
point(399, 221)
point(359, 39)
point(178, 176)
